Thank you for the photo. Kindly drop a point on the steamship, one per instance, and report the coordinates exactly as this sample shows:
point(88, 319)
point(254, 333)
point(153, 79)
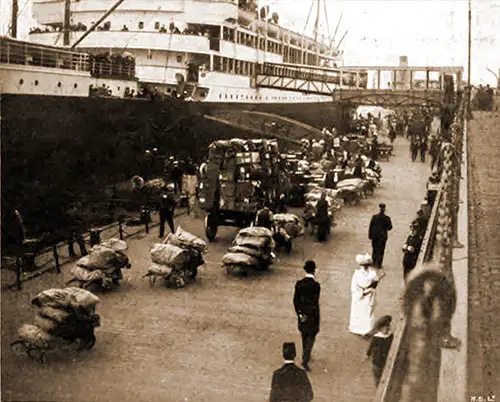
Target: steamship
point(208, 51)
point(68, 94)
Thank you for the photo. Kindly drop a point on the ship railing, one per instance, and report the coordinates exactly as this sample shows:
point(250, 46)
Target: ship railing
point(319, 74)
point(19, 52)
point(110, 69)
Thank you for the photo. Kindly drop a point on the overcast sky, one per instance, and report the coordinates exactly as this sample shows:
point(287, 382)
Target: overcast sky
point(429, 32)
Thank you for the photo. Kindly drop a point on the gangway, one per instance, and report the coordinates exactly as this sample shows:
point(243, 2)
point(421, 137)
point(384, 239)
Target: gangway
point(350, 84)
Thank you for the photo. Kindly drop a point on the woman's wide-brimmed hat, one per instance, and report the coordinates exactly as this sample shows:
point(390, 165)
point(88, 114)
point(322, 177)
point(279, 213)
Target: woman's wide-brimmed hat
point(363, 259)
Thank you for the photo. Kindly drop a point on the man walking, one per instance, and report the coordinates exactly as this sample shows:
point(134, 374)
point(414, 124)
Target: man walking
point(423, 148)
point(380, 224)
point(414, 145)
point(434, 151)
point(290, 383)
point(306, 303)
point(166, 207)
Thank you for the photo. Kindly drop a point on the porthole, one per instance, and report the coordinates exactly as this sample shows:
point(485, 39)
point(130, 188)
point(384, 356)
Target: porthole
point(36, 82)
point(76, 85)
point(118, 88)
point(179, 59)
point(59, 84)
point(21, 81)
point(231, 96)
point(220, 96)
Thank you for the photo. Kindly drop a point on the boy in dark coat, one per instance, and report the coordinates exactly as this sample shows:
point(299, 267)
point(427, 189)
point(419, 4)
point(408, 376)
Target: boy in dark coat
point(306, 303)
point(290, 383)
point(380, 345)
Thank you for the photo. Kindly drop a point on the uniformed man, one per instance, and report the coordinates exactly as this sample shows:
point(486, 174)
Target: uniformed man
point(380, 225)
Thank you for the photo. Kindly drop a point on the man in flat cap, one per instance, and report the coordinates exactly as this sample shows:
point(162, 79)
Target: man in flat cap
point(290, 383)
point(380, 224)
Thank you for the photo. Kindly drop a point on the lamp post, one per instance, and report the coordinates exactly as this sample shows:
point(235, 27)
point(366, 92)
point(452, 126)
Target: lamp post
point(469, 46)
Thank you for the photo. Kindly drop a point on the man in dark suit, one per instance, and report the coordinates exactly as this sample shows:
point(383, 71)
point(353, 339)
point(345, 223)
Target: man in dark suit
point(290, 383)
point(166, 206)
point(379, 226)
point(306, 303)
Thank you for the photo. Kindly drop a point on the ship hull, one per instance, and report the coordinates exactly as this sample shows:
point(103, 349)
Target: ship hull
point(56, 149)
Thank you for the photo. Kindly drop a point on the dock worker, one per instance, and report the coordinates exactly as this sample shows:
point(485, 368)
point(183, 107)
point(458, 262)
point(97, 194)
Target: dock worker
point(380, 225)
point(264, 218)
point(166, 206)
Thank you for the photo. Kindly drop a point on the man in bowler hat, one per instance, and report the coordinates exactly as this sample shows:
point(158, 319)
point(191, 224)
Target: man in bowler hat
point(306, 303)
point(290, 383)
point(380, 225)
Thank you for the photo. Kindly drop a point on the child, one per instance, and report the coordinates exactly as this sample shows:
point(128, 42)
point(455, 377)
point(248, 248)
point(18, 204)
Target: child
point(379, 345)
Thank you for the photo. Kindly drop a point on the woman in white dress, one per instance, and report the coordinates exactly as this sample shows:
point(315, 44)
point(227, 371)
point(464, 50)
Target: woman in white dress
point(363, 284)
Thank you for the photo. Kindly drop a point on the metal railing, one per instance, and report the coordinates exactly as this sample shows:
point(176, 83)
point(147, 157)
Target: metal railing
point(52, 257)
point(105, 69)
point(18, 52)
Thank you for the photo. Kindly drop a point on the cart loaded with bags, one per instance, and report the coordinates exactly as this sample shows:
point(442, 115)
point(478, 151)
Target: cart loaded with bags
point(177, 259)
point(239, 176)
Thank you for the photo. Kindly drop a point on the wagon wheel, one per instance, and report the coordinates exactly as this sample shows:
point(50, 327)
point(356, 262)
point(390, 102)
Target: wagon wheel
point(19, 347)
point(75, 281)
point(211, 227)
point(87, 344)
point(36, 353)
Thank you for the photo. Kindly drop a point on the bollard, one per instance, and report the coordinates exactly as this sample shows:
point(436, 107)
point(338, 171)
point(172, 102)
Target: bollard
point(56, 259)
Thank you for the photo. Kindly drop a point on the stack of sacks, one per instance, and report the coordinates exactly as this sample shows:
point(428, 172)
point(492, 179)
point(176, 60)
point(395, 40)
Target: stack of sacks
point(291, 223)
point(66, 313)
point(169, 262)
point(332, 199)
point(103, 260)
point(252, 248)
point(361, 186)
point(194, 247)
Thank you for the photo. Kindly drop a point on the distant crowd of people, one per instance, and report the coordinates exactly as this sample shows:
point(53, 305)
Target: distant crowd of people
point(484, 98)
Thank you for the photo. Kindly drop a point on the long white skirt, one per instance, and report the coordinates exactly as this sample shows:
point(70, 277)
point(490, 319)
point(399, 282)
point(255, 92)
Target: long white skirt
point(362, 318)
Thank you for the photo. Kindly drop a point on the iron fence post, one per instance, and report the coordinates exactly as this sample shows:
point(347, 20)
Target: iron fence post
point(120, 228)
point(56, 259)
point(18, 272)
